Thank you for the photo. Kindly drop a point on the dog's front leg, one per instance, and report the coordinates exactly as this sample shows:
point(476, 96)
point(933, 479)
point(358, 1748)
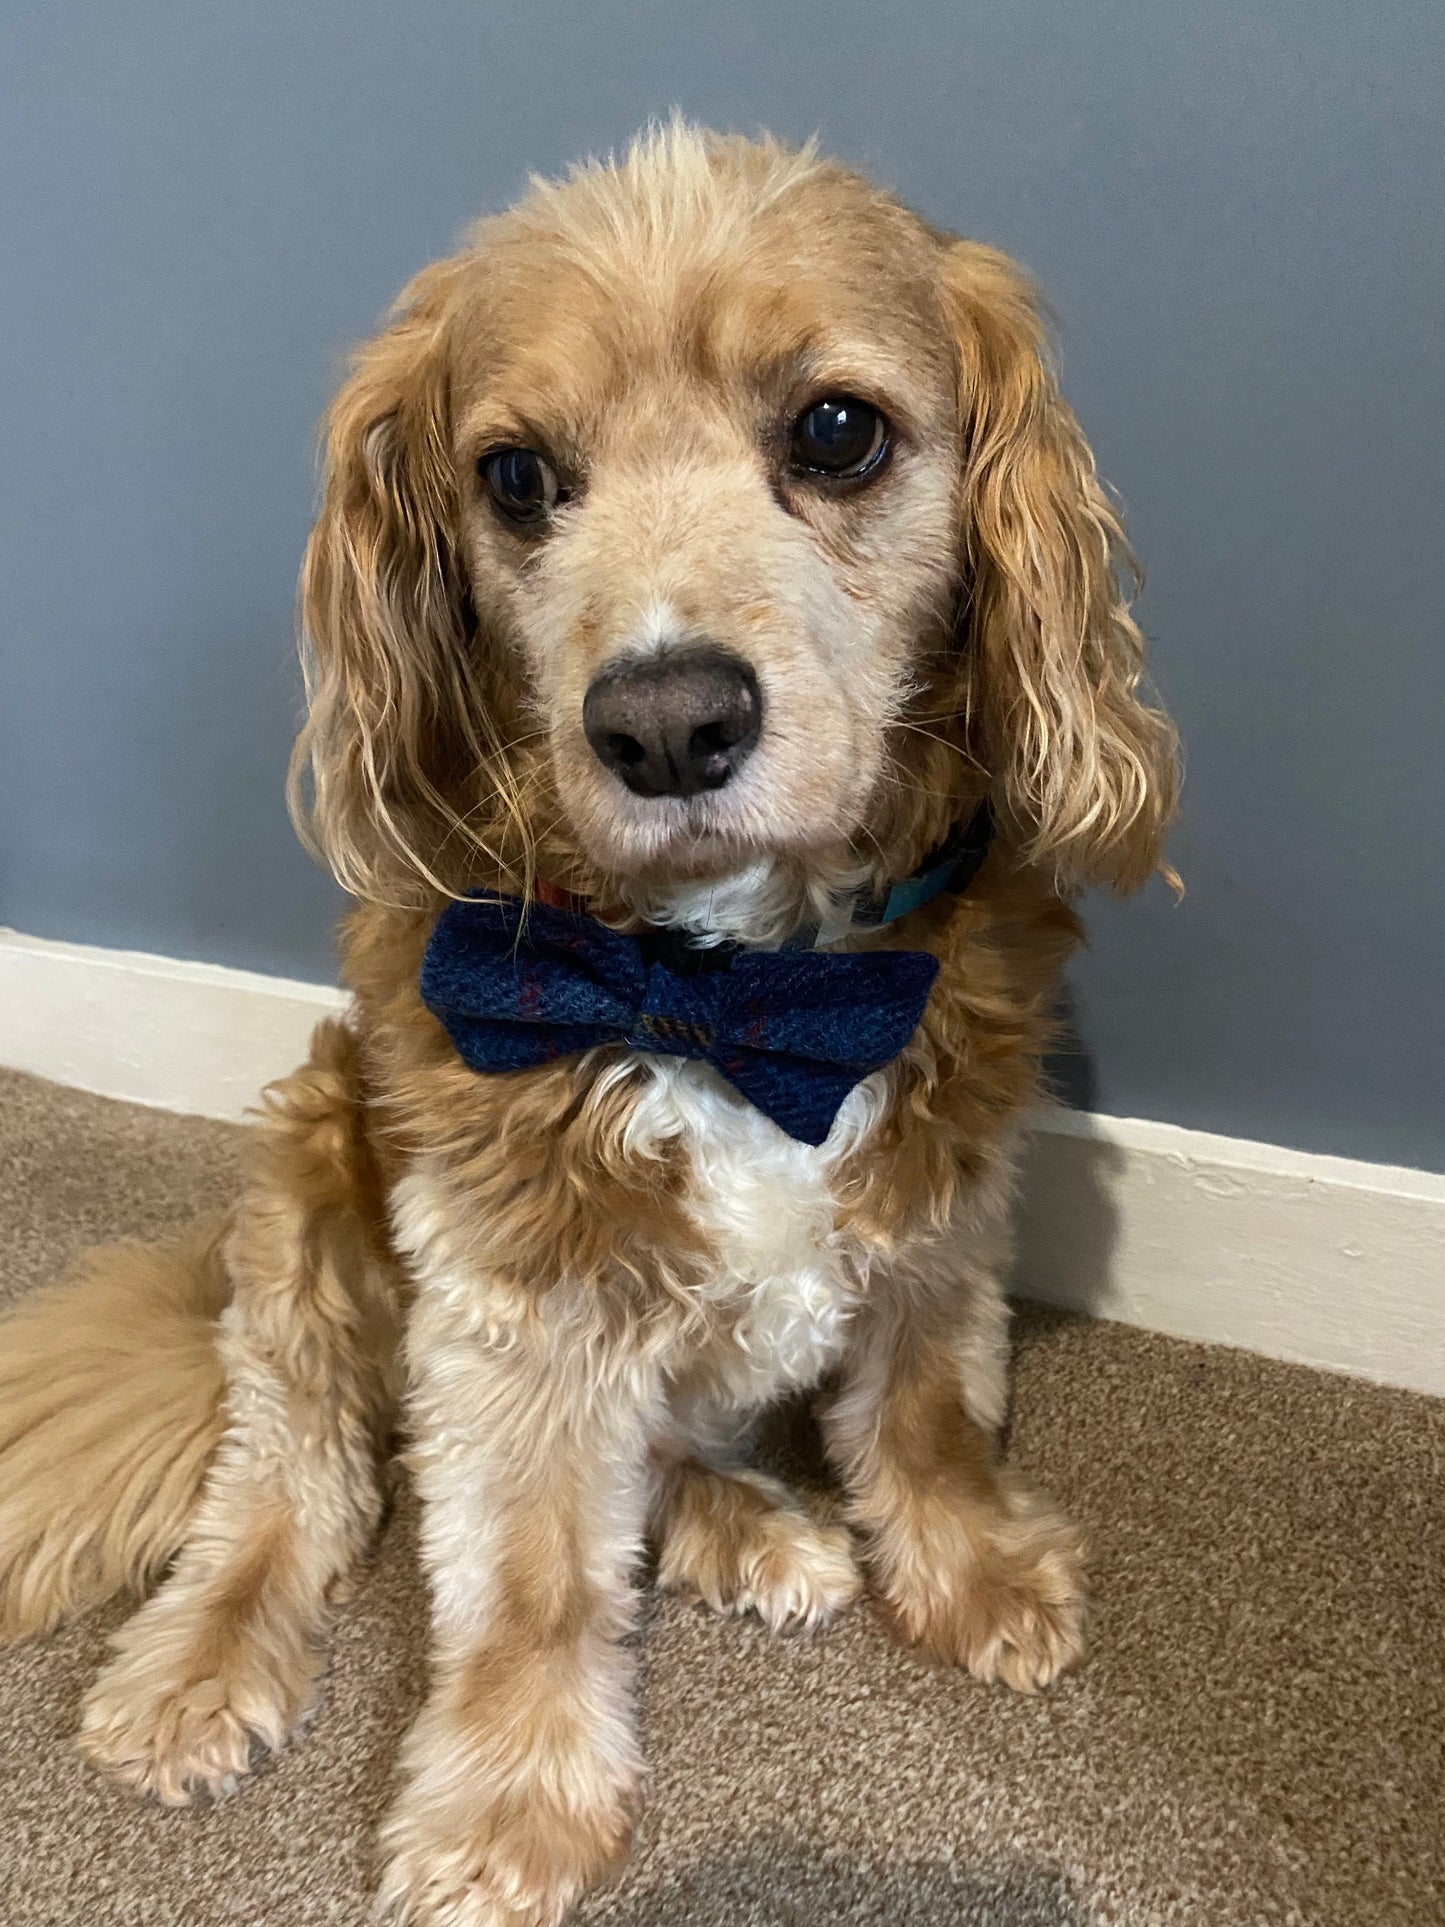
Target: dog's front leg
point(970, 1566)
point(223, 1662)
point(520, 1775)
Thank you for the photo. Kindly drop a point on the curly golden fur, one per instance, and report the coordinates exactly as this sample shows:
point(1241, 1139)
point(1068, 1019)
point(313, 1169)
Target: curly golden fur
point(577, 1284)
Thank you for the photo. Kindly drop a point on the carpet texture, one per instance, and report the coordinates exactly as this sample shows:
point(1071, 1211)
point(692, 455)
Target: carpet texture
point(1258, 1737)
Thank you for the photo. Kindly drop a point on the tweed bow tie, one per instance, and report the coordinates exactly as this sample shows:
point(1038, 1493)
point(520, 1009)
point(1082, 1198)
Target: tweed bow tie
point(792, 1030)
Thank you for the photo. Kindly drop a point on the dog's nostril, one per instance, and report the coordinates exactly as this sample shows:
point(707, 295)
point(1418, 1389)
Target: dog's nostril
point(715, 739)
point(676, 724)
point(624, 749)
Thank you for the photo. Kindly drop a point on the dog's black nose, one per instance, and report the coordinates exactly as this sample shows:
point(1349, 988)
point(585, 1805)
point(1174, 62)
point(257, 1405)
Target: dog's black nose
point(674, 724)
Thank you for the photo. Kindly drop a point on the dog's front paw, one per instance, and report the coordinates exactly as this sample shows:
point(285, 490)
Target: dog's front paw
point(518, 1859)
point(1004, 1599)
point(191, 1703)
point(739, 1542)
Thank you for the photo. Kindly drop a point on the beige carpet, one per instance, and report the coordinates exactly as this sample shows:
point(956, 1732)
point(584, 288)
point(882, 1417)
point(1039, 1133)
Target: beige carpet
point(1259, 1736)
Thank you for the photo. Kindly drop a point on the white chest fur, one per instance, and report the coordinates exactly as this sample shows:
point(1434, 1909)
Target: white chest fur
point(786, 1283)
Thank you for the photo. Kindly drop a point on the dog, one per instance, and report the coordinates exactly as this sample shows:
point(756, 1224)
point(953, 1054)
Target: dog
point(712, 605)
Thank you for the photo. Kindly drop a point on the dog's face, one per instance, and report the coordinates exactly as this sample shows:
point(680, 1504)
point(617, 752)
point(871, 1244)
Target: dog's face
point(707, 509)
point(708, 469)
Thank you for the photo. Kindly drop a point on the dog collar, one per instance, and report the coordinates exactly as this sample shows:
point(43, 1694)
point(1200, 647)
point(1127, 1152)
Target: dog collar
point(794, 1030)
point(952, 866)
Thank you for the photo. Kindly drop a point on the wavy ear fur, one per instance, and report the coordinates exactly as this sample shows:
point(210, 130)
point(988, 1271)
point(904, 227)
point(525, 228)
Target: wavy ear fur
point(1085, 766)
point(397, 727)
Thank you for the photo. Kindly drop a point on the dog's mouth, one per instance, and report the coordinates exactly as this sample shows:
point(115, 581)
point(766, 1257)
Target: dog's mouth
point(652, 838)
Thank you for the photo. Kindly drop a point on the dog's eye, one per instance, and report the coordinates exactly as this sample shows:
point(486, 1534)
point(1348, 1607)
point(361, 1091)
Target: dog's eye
point(523, 486)
point(841, 438)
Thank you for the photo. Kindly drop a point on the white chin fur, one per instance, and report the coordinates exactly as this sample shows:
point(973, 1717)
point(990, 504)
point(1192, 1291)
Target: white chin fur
point(764, 902)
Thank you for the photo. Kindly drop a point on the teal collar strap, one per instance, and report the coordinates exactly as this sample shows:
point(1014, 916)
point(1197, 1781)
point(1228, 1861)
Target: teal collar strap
point(952, 866)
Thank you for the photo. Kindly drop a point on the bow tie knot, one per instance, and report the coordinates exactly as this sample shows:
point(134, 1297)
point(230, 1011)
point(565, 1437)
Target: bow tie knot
point(675, 1033)
point(792, 1030)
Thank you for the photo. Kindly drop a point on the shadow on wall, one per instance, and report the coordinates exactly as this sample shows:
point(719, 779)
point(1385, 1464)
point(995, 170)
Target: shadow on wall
point(1067, 1220)
point(779, 1885)
point(1069, 1073)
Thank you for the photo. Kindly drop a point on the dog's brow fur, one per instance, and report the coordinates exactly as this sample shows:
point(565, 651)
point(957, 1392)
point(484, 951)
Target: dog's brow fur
point(581, 1281)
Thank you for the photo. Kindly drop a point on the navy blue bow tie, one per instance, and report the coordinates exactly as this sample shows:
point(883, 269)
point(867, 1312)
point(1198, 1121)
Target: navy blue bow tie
point(792, 1030)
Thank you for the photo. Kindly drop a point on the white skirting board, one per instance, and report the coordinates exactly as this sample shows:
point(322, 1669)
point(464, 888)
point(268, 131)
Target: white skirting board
point(179, 1036)
point(1326, 1261)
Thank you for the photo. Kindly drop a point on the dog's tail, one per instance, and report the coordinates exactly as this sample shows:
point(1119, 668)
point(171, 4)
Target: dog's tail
point(112, 1401)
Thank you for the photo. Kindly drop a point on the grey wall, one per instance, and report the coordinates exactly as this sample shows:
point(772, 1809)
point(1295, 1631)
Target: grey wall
point(1237, 209)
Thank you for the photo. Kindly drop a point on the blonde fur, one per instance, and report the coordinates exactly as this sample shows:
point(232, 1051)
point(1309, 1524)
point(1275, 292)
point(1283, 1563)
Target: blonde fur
point(112, 1398)
point(1086, 766)
point(589, 1277)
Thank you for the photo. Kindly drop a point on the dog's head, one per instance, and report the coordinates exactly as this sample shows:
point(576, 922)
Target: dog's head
point(711, 514)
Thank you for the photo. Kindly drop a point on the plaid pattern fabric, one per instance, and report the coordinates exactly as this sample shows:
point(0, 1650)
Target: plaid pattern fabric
point(792, 1030)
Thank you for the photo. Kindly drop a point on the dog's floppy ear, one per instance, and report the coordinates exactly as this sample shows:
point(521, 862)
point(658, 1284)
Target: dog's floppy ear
point(1084, 765)
point(393, 710)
